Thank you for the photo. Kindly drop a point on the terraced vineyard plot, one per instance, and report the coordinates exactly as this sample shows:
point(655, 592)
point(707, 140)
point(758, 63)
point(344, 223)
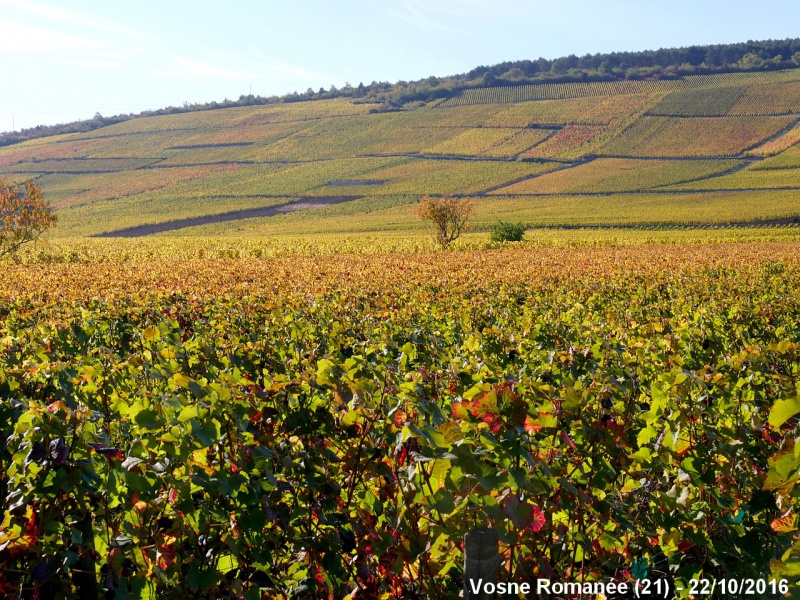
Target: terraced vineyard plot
point(481, 141)
point(298, 111)
point(560, 91)
point(238, 116)
point(283, 180)
point(419, 177)
point(552, 91)
point(138, 211)
point(461, 116)
point(387, 213)
point(787, 159)
point(396, 140)
point(646, 208)
point(256, 134)
point(585, 111)
point(772, 99)
point(676, 137)
point(470, 141)
point(519, 142)
point(140, 145)
point(573, 141)
point(739, 79)
point(232, 181)
point(208, 156)
point(779, 144)
point(39, 150)
point(618, 175)
point(699, 103)
point(353, 136)
point(749, 179)
point(72, 165)
point(74, 190)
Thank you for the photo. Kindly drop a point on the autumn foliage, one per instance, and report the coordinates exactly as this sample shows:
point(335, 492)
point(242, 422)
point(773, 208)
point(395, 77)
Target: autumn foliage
point(196, 428)
point(24, 215)
point(448, 214)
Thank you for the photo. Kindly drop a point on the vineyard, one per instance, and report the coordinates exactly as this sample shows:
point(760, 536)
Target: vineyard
point(749, 179)
point(561, 91)
point(699, 103)
point(789, 159)
point(701, 136)
point(241, 365)
point(419, 177)
point(200, 165)
point(618, 175)
point(773, 99)
point(584, 111)
point(332, 426)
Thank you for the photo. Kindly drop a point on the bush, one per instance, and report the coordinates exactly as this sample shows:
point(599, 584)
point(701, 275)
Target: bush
point(508, 232)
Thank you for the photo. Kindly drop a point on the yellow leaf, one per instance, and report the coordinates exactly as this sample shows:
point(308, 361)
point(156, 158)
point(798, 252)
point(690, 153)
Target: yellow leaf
point(181, 380)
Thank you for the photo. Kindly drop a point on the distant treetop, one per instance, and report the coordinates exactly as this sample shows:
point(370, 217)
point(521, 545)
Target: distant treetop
point(649, 64)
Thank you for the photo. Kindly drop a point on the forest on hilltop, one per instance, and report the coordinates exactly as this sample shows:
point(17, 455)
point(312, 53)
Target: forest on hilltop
point(664, 63)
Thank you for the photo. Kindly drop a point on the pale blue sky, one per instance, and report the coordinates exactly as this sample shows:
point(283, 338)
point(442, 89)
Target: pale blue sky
point(67, 60)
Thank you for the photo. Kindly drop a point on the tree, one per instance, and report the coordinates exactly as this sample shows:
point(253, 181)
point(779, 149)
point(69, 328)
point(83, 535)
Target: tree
point(796, 58)
point(752, 61)
point(24, 215)
point(448, 214)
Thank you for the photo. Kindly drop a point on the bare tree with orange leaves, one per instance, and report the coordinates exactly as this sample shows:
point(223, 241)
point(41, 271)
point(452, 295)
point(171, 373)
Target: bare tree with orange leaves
point(24, 215)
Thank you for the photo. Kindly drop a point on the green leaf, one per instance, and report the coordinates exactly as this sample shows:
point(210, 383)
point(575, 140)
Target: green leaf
point(148, 419)
point(207, 434)
point(200, 579)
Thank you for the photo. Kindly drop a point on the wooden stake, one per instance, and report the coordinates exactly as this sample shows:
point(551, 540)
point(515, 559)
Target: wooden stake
point(481, 562)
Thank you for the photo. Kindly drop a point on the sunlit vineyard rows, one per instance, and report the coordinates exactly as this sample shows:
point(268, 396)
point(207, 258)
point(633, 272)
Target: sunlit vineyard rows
point(474, 141)
point(700, 136)
point(570, 142)
point(699, 103)
point(491, 142)
point(417, 177)
point(749, 179)
point(780, 144)
point(774, 99)
point(618, 175)
point(306, 426)
point(771, 99)
point(522, 141)
point(559, 91)
point(586, 111)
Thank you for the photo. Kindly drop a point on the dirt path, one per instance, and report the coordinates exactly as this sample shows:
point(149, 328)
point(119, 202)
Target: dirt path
point(268, 211)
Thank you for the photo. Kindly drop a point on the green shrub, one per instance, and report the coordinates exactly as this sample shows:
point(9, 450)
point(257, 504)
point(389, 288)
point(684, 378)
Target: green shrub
point(508, 232)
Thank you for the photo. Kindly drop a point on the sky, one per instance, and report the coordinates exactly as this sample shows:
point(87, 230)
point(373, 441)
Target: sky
point(63, 61)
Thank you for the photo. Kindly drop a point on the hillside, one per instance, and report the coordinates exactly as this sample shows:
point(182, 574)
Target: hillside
point(664, 63)
point(698, 149)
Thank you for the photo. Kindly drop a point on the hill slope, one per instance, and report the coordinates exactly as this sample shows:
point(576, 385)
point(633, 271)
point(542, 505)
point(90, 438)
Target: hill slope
point(700, 149)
